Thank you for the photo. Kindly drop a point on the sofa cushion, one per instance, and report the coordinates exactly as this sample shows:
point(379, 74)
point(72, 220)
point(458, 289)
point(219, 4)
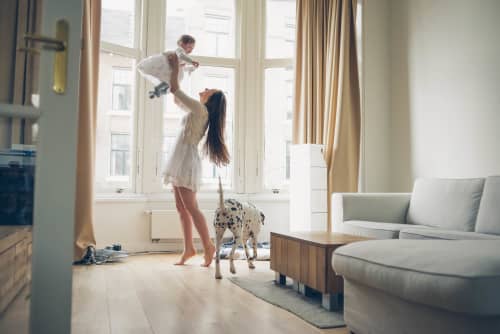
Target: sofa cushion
point(450, 204)
point(460, 276)
point(488, 217)
point(435, 233)
point(371, 229)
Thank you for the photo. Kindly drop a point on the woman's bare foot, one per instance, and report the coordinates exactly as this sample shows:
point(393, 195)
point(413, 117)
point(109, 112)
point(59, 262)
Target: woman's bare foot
point(186, 255)
point(209, 255)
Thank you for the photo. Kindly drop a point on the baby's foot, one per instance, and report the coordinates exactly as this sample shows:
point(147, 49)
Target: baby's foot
point(186, 255)
point(209, 255)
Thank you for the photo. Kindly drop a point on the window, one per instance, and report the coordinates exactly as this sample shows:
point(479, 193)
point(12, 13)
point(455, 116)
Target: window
point(287, 162)
point(122, 88)
point(278, 92)
point(117, 96)
point(211, 22)
point(120, 155)
point(218, 32)
point(251, 62)
point(278, 126)
point(118, 22)
point(280, 28)
point(289, 95)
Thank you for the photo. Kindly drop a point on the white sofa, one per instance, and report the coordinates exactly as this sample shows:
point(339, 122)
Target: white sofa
point(448, 281)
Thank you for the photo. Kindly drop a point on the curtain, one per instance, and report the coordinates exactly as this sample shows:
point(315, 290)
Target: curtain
point(327, 93)
point(89, 72)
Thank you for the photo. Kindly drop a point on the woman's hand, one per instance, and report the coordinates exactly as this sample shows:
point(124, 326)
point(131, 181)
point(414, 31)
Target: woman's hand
point(173, 61)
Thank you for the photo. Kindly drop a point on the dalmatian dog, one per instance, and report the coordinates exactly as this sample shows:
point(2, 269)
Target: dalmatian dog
point(244, 220)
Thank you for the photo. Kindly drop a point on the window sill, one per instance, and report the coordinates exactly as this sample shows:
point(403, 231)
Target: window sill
point(202, 197)
point(124, 197)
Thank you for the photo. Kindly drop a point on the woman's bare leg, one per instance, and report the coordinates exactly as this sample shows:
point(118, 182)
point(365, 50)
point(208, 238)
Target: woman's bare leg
point(187, 228)
point(191, 204)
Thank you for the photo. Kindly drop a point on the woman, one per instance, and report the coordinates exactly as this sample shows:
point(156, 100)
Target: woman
point(183, 168)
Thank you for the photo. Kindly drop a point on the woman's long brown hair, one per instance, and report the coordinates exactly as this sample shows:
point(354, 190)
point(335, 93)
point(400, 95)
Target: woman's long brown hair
point(215, 145)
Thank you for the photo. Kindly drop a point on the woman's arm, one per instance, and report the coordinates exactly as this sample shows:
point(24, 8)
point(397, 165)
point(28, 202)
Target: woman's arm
point(190, 103)
point(174, 77)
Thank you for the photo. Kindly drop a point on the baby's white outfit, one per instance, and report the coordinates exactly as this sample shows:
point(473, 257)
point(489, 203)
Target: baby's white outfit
point(183, 167)
point(156, 68)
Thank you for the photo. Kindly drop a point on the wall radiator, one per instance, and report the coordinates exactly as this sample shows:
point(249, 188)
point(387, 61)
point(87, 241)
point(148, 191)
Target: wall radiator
point(166, 225)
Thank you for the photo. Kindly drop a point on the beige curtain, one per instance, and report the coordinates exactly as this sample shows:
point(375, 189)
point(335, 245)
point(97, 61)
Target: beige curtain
point(89, 72)
point(327, 97)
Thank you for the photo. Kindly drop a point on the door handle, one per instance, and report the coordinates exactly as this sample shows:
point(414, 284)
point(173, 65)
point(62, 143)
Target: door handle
point(59, 44)
point(50, 43)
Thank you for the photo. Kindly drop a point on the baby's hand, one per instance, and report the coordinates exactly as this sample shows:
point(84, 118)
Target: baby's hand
point(195, 63)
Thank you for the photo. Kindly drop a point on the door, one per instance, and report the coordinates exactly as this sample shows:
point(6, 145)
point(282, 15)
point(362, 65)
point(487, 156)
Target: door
point(57, 48)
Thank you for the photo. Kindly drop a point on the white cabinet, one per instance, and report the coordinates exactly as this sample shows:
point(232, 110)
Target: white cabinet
point(308, 187)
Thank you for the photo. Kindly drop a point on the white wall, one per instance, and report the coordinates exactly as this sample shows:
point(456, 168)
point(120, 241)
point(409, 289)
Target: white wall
point(445, 89)
point(376, 95)
point(124, 221)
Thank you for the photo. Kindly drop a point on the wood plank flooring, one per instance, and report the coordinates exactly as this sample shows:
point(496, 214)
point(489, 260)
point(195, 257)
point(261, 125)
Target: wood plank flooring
point(149, 295)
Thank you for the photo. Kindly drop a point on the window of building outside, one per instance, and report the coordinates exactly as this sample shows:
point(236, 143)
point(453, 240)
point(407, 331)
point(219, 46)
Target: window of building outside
point(120, 155)
point(121, 160)
point(122, 89)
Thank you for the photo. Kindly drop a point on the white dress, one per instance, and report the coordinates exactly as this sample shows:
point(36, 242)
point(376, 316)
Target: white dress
point(156, 68)
point(183, 167)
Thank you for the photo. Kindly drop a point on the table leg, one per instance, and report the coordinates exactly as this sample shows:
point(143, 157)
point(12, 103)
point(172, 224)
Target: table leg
point(279, 279)
point(305, 290)
point(332, 301)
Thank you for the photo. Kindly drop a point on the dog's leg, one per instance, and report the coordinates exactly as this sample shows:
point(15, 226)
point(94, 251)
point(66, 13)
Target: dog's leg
point(237, 242)
point(249, 259)
point(254, 245)
point(219, 231)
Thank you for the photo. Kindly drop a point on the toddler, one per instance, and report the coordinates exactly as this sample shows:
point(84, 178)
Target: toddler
point(157, 70)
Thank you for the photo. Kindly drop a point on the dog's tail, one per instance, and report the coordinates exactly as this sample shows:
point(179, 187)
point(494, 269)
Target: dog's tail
point(221, 195)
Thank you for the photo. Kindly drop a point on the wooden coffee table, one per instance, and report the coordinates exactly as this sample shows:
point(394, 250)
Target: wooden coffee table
point(306, 257)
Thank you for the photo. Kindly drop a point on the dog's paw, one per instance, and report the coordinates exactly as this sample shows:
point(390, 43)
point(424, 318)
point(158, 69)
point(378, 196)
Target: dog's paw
point(251, 266)
point(218, 276)
point(232, 270)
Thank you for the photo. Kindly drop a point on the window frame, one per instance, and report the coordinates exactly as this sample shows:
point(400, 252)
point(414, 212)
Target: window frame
point(249, 65)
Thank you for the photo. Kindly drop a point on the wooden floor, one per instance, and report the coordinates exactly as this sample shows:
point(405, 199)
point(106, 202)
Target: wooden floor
point(148, 294)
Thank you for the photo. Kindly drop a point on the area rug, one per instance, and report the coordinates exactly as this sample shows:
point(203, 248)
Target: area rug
point(262, 285)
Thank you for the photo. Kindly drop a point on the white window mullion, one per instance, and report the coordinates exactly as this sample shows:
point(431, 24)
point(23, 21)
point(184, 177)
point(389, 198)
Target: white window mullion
point(214, 61)
point(271, 63)
point(141, 31)
point(152, 110)
point(120, 50)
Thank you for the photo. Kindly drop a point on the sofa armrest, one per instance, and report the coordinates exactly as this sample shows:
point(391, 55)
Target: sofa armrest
point(378, 207)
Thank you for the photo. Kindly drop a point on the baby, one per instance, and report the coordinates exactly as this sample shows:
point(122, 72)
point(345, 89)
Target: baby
point(157, 70)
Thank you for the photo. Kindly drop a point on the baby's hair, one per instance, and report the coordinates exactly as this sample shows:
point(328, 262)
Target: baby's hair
point(186, 39)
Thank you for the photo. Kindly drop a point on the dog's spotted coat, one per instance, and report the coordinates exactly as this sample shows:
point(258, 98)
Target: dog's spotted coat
point(244, 220)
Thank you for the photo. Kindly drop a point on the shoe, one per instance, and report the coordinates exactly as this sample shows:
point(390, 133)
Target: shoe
point(88, 258)
point(109, 255)
point(159, 90)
